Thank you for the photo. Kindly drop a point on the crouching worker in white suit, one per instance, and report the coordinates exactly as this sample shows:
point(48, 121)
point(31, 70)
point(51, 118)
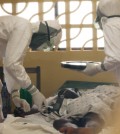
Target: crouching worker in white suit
point(16, 36)
point(108, 18)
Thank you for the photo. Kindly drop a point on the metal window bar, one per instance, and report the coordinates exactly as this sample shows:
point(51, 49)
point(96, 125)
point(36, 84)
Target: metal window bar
point(67, 16)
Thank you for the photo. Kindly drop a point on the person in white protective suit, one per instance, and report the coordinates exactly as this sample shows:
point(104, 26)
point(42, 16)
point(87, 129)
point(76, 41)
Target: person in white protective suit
point(108, 18)
point(16, 36)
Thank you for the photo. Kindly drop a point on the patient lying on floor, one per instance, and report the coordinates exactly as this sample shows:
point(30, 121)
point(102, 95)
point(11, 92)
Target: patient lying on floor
point(87, 113)
point(82, 111)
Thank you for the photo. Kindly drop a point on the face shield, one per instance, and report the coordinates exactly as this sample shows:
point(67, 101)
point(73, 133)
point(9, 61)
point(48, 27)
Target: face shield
point(48, 36)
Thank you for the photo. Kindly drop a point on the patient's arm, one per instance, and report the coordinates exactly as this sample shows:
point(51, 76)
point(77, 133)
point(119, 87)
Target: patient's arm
point(93, 121)
point(65, 126)
point(89, 124)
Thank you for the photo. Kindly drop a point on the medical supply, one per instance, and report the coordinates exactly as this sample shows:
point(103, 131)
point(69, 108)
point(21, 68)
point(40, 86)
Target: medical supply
point(77, 65)
point(87, 67)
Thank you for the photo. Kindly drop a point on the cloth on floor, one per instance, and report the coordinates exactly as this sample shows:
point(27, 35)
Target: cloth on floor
point(102, 100)
point(29, 125)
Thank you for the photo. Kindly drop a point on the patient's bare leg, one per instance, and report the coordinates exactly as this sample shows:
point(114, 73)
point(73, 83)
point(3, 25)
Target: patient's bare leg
point(71, 130)
point(60, 123)
point(66, 127)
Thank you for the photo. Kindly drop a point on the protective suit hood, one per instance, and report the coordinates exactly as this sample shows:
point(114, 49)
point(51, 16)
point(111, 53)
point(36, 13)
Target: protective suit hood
point(48, 35)
point(109, 7)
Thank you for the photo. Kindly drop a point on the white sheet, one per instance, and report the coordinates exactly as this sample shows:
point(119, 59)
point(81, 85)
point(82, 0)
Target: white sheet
point(36, 124)
point(32, 124)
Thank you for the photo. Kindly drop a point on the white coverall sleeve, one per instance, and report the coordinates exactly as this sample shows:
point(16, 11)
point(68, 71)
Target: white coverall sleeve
point(16, 49)
point(111, 31)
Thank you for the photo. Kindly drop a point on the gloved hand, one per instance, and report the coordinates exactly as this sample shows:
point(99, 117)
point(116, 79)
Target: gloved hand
point(20, 102)
point(38, 98)
point(92, 68)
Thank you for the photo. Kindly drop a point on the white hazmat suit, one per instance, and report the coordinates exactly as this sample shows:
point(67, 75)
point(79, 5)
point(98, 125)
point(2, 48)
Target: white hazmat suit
point(16, 35)
point(108, 14)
